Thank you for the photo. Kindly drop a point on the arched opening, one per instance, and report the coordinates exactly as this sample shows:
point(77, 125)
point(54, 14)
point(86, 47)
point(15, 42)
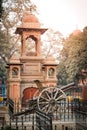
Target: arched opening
point(51, 72)
point(28, 94)
point(31, 43)
point(15, 72)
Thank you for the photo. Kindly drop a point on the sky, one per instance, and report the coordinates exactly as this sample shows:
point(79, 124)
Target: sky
point(62, 15)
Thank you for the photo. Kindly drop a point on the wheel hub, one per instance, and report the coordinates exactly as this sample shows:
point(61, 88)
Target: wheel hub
point(52, 102)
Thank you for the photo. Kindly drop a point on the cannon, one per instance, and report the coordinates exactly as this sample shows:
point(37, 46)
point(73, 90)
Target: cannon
point(48, 99)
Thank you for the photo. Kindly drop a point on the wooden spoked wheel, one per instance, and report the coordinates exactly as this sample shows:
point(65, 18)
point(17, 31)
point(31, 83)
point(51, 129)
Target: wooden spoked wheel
point(49, 100)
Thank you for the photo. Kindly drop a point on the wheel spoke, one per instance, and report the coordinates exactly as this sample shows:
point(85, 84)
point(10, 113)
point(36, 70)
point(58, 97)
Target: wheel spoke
point(45, 107)
point(47, 94)
point(59, 98)
point(49, 108)
point(43, 102)
point(44, 98)
point(56, 94)
point(51, 92)
point(53, 108)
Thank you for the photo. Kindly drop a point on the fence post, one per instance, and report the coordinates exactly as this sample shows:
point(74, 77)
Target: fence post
point(22, 122)
point(16, 123)
point(55, 127)
point(24, 127)
point(33, 122)
point(2, 128)
point(10, 121)
point(62, 127)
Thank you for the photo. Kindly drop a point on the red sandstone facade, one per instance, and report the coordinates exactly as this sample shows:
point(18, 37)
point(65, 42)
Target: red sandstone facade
point(30, 65)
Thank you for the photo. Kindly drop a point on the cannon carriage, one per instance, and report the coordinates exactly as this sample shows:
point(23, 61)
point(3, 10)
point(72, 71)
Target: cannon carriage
point(48, 99)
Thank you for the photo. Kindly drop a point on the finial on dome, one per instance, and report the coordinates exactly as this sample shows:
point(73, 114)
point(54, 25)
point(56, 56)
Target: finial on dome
point(76, 26)
point(29, 17)
point(76, 31)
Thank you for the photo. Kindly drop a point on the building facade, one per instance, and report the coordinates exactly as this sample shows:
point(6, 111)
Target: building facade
point(30, 66)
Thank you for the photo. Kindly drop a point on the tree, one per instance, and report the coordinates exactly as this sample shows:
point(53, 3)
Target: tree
point(11, 18)
point(3, 71)
point(61, 74)
point(52, 43)
point(74, 57)
point(1, 9)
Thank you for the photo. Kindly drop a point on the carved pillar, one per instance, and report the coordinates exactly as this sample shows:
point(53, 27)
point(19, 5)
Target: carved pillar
point(38, 47)
point(23, 48)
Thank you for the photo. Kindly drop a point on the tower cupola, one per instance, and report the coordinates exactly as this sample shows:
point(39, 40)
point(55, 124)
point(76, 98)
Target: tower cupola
point(30, 32)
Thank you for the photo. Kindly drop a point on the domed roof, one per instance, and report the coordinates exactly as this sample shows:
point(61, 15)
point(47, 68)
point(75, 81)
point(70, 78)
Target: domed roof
point(30, 21)
point(76, 32)
point(30, 18)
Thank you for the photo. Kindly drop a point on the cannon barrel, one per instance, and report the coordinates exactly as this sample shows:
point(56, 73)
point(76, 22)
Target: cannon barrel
point(39, 85)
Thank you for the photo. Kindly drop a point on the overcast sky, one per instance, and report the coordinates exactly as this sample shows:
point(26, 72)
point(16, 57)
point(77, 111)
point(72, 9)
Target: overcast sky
point(62, 15)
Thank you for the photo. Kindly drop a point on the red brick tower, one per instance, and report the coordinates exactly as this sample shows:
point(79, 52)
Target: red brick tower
point(30, 66)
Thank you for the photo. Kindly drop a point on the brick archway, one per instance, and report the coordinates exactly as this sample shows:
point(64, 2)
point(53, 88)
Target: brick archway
point(28, 94)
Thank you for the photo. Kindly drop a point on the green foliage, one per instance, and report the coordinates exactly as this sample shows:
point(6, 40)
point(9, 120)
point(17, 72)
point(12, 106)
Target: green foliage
point(4, 48)
point(11, 18)
point(4, 53)
point(1, 9)
point(62, 75)
point(73, 57)
point(52, 43)
point(14, 10)
point(3, 71)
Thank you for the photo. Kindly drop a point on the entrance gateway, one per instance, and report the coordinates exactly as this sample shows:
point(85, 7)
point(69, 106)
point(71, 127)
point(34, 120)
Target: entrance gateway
point(23, 70)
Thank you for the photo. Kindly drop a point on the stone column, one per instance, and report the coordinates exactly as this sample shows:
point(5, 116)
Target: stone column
point(38, 47)
point(23, 47)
